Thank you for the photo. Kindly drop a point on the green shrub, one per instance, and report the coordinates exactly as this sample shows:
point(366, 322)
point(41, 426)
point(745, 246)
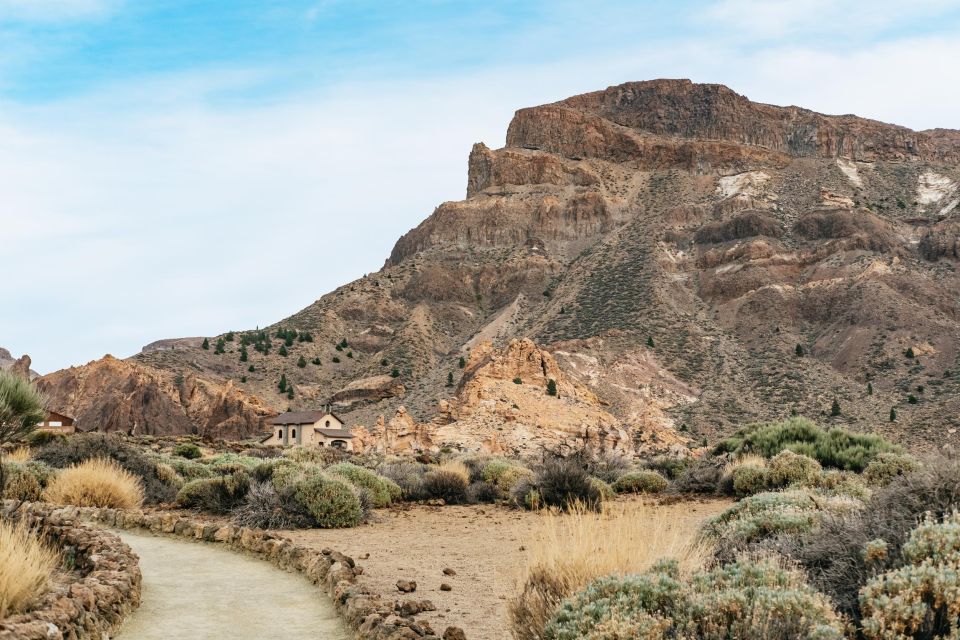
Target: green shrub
point(605, 490)
point(835, 447)
point(266, 508)
point(214, 495)
point(43, 438)
point(226, 463)
point(85, 446)
point(25, 480)
point(885, 467)
point(187, 450)
point(383, 491)
point(922, 598)
point(671, 467)
point(330, 502)
point(190, 469)
point(748, 479)
point(641, 482)
point(504, 474)
point(449, 486)
point(787, 468)
point(748, 600)
point(408, 475)
point(564, 483)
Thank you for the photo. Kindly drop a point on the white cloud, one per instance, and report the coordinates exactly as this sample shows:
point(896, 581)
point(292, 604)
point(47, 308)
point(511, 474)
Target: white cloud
point(54, 10)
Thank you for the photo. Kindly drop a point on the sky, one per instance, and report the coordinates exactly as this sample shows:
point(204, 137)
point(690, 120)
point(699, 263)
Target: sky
point(180, 168)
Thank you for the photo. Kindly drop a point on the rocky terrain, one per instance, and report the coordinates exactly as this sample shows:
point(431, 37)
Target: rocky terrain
point(20, 366)
point(679, 259)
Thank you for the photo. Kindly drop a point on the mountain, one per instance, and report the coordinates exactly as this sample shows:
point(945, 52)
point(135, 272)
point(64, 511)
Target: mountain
point(692, 259)
point(19, 365)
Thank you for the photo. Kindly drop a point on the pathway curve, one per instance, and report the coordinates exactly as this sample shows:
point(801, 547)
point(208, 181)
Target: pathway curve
point(195, 590)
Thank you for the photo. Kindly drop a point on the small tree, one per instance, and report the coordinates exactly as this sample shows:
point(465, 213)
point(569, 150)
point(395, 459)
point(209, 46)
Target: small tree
point(220, 346)
point(206, 344)
point(909, 353)
point(316, 361)
point(349, 354)
point(384, 362)
point(336, 359)
point(551, 387)
point(650, 341)
point(835, 408)
point(288, 341)
point(395, 373)
point(243, 354)
point(462, 362)
point(799, 350)
point(229, 336)
point(450, 379)
point(869, 388)
point(251, 369)
point(517, 381)
point(282, 385)
point(302, 362)
point(893, 414)
point(243, 379)
point(21, 410)
point(290, 392)
point(343, 343)
point(283, 351)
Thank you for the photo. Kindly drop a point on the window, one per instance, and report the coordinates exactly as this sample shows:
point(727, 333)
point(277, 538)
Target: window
point(293, 434)
point(328, 424)
point(338, 444)
point(56, 423)
point(280, 434)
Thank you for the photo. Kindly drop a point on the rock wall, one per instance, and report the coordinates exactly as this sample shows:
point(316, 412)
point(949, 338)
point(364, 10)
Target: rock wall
point(108, 589)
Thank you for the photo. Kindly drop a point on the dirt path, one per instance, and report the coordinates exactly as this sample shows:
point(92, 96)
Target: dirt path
point(193, 590)
point(483, 544)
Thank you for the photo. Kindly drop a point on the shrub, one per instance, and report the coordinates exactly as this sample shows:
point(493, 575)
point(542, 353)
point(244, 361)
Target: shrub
point(603, 464)
point(25, 567)
point(227, 463)
point(85, 446)
point(25, 480)
point(408, 475)
point(43, 438)
point(702, 476)
point(482, 492)
point(99, 482)
point(383, 491)
point(606, 491)
point(787, 468)
point(745, 600)
point(189, 469)
point(187, 450)
point(504, 474)
point(641, 482)
point(219, 495)
point(331, 503)
point(669, 466)
point(835, 447)
point(446, 485)
point(563, 483)
point(922, 598)
point(319, 455)
point(885, 467)
point(458, 467)
point(747, 480)
point(266, 508)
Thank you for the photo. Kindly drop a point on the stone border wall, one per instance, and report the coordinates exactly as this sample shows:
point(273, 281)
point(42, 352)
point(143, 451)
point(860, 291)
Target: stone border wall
point(94, 606)
point(371, 617)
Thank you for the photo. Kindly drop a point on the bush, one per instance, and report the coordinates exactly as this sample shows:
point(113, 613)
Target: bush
point(43, 438)
point(669, 466)
point(483, 492)
point(408, 475)
point(331, 503)
point(747, 600)
point(702, 476)
point(227, 463)
point(606, 491)
point(318, 455)
point(266, 508)
point(25, 567)
point(835, 447)
point(383, 491)
point(187, 450)
point(885, 467)
point(25, 480)
point(563, 483)
point(86, 446)
point(641, 482)
point(747, 480)
point(458, 467)
point(922, 598)
point(446, 485)
point(787, 468)
point(219, 495)
point(98, 482)
point(504, 474)
point(189, 469)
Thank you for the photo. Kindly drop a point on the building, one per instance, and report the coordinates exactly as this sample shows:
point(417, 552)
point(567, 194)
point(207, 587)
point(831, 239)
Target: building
point(57, 423)
point(309, 429)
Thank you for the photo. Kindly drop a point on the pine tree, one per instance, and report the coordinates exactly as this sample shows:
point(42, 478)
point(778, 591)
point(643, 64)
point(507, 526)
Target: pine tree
point(869, 388)
point(243, 354)
point(288, 341)
point(395, 373)
point(650, 341)
point(450, 379)
point(462, 362)
point(229, 336)
point(206, 344)
point(835, 408)
point(251, 369)
point(517, 381)
point(343, 343)
point(349, 354)
point(799, 350)
point(893, 414)
point(290, 392)
point(243, 379)
point(283, 351)
point(336, 359)
point(384, 362)
point(220, 345)
point(316, 361)
point(551, 387)
point(282, 385)
point(909, 353)
point(302, 362)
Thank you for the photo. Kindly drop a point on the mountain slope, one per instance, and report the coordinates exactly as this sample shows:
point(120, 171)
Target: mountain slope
point(676, 247)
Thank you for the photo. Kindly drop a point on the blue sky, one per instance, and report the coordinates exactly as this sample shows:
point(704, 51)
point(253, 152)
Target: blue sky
point(172, 168)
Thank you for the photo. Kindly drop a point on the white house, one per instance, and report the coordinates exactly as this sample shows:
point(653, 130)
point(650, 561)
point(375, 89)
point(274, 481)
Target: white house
point(309, 429)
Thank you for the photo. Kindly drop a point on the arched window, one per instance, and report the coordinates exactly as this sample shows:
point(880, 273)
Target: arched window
point(293, 434)
point(338, 444)
point(328, 424)
point(280, 434)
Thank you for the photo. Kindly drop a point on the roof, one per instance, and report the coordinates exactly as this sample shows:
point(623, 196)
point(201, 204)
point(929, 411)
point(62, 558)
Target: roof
point(52, 415)
point(301, 417)
point(335, 433)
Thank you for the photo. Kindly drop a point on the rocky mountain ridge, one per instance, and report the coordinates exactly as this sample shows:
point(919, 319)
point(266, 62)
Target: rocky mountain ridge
point(692, 259)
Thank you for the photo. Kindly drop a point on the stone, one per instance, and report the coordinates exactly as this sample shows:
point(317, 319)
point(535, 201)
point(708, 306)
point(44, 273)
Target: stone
point(449, 572)
point(445, 587)
point(406, 586)
point(454, 633)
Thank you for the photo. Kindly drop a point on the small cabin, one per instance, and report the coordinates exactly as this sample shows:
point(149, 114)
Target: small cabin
point(309, 429)
point(57, 423)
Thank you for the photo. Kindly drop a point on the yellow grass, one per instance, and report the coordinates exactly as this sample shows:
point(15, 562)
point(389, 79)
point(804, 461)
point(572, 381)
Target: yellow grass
point(95, 483)
point(567, 551)
point(20, 454)
point(457, 467)
point(25, 567)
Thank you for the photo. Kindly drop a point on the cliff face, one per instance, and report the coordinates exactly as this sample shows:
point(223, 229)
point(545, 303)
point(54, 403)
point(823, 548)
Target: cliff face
point(668, 246)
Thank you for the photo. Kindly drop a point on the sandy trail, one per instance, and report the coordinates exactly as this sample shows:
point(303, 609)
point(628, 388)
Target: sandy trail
point(193, 590)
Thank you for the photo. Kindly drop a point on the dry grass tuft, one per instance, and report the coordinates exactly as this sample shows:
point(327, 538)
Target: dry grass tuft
point(747, 460)
point(25, 567)
point(567, 551)
point(457, 467)
point(20, 454)
point(96, 483)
